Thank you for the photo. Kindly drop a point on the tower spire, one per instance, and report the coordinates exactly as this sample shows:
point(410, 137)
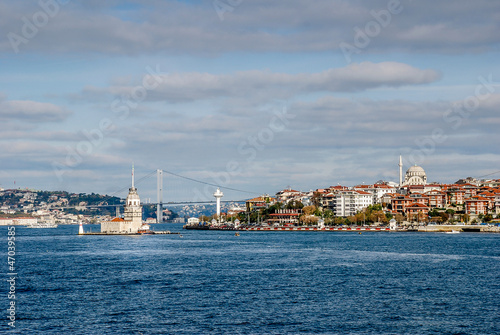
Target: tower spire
point(132, 175)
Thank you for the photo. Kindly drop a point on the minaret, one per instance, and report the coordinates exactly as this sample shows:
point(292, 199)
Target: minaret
point(400, 171)
point(218, 194)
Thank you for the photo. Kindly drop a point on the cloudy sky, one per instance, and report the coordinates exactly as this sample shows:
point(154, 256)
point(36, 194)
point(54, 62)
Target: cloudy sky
point(253, 95)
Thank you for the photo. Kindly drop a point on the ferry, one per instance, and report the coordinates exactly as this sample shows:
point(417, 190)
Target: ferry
point(42, 225)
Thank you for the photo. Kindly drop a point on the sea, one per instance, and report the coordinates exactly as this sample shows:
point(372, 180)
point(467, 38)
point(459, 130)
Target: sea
point(214, 282)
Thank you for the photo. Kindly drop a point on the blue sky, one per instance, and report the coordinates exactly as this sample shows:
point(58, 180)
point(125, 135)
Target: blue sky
point(222, 79)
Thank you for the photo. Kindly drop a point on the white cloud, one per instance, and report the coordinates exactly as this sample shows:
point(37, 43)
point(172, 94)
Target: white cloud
point(291, 26)
point(261, 85)
point(31, 111)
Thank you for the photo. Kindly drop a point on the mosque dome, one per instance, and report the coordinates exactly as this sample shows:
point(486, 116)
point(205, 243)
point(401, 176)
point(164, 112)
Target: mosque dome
point(415, 175)
point(416, 170)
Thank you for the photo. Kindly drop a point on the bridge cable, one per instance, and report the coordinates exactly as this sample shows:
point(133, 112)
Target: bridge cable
point(210, 184)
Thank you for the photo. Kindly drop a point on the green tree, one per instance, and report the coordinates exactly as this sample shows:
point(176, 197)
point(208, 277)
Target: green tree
point(339, 221)
point(309, 220)
point(451, 214)
point(294, 204)
point(433, 212)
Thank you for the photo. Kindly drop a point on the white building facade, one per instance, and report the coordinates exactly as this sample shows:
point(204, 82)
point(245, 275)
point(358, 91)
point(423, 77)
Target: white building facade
point(348, 203)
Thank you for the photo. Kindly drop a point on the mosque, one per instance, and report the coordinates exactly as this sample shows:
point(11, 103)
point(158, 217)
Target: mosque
point(132, 216)
point(415, 175)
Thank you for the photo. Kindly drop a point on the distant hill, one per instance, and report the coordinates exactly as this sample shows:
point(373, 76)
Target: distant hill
point(30, 201)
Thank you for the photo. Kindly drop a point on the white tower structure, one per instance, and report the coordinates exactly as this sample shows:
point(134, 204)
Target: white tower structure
point(400, 171)
point(218, 194)
point(80, 230)
point(132, 215)
point(133, 209)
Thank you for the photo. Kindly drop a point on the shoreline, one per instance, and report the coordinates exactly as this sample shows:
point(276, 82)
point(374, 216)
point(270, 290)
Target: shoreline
point(428, 229)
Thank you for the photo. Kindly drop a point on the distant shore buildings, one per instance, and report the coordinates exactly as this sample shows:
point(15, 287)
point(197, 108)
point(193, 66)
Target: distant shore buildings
point(413, 198)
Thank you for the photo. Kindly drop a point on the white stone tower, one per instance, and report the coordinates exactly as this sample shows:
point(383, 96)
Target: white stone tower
point(133, 209)
point(218, 194)
point(132, 215)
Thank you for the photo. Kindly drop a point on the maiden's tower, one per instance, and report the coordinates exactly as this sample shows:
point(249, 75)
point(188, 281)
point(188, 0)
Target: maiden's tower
point(132, 217)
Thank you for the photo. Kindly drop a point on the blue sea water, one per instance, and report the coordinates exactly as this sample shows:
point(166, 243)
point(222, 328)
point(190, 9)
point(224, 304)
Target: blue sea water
point(213, 282)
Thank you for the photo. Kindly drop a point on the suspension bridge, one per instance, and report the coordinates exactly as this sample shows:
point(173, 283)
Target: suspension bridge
point(179, 190)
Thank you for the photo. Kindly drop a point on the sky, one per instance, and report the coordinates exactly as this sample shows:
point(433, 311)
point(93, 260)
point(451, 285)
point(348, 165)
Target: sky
point(250, 95)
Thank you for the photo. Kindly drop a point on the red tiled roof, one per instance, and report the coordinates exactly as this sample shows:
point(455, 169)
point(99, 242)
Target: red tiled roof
point(416, 204)
point(289, 191)
point(261, 199)
point(382, 186)
point(363, 193)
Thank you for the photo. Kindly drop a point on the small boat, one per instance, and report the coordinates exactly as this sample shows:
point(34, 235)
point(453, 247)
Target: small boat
point(452, 232)
point(144, 230)
point(236, 234)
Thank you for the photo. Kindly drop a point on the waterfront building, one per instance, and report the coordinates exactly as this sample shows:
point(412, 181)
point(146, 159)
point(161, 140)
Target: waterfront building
point(19, 221)
point(235, 210)
point(327, 200)
point(400, 202)
point(260, 202)
point(497, 204)
point(490, 196)
point(470, 190)
point(377, 191)
point(455, 195)
point(476, 205)
point(416, 211)
point(287, 195)
point(420, 198)
point(432, 187)
point(386, 199)
point(437, 199)
point(193, 221)
point(348, 203)
point(284, 217)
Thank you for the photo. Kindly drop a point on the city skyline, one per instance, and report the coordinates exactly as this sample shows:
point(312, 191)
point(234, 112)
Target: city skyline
point(249, 95)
